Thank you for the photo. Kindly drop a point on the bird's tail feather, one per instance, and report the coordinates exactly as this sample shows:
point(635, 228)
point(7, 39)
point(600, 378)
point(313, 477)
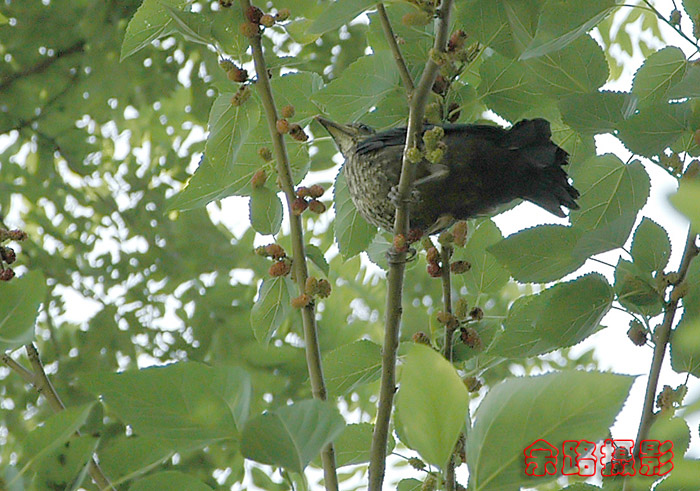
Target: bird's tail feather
point(547, 183)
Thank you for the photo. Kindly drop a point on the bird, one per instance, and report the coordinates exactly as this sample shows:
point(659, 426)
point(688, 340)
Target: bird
point(483, 167)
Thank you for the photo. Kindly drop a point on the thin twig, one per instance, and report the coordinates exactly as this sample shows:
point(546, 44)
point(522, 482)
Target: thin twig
point(445, 256)
point(43, 386)
point(393, 45)
point(377, 464)
point(661, 337)
point(308, 313)
point(8, 80)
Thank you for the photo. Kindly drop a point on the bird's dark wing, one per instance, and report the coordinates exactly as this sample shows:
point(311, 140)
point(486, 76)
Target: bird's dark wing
point(397, 136)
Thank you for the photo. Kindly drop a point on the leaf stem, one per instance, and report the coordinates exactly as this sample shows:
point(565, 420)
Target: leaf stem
point(377, 464)
point(308, 313)
point(393, 45)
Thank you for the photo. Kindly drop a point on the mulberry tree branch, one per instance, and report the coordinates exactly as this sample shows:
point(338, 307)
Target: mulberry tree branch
point(308, 313)
point(417, 103)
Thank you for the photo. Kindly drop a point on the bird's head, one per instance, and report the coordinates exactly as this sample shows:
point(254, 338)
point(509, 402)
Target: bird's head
point(345, 136)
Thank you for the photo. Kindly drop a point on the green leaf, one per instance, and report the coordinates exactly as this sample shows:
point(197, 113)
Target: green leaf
point(339, 13)
point(296, 89)
point(125, 458)
point(655, 128)
point(568, 405)
point(431, 405)
point(150, 22)
point(538, 324)
point(685, 346)
point(290, 436)
point(486, 275)
point(540, 254)
point(686, 199)
point(665, 427)
point(409, 484)
point(351, 366)
point(66, 465)
point(265, 211)
point(636, 290)
point(658, 74)
point(497, 24)
point(19, 305)
point(598, 112)
point(204, 404)
point(506, 87)
point(193, 26)
point(354, 443)
point(271, 308)
point(564, 21)
point(55, 431)
point(316, 256)
point(684, 476)
point(651, 247)
point(580, 68)
point(352, 232)
point(611, 193)
point(219, 172)
point(360, 87)
point(689, 85)
point(171, 480)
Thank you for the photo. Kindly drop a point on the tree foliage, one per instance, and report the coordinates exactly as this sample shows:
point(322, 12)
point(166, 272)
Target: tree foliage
point(178, 349)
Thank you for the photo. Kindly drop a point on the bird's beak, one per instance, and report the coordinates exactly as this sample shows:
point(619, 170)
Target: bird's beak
point(343, 135)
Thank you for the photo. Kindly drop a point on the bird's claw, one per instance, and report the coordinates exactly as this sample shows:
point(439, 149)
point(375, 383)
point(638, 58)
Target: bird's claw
point(396, 200)
point(394, 257)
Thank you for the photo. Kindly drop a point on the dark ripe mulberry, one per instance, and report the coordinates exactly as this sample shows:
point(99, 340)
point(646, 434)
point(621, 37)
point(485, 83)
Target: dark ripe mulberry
point(316, 191)
point(317, 206)
point(299, 205)
point(297, 132)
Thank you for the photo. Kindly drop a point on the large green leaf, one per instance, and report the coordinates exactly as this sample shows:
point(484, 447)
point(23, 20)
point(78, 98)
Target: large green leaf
point(57, 429)
point(540, 254)
point(184, 404)
point(352, 365)
point(359, 88)
point(290, 436)
point(564, 21)
point(537, 324)
point(658, 74)
point(486, 275)
point(651, 246)
point(431, 405)
point(266, 211)
point(272, 307)
point(598, 112)
point(338, 13)
point(172, 480)
point(686, 201)
point(20, 299)
point(570, 405)
point(655, 128)
point(150, 22)
point(610, 191)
